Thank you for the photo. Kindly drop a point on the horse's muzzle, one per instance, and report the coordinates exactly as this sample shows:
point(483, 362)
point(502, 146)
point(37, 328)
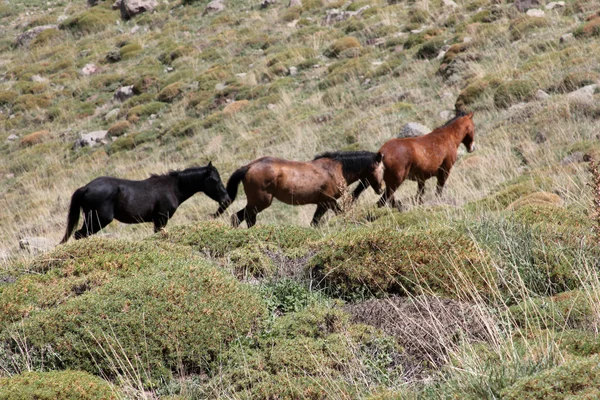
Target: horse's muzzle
point(471, 148)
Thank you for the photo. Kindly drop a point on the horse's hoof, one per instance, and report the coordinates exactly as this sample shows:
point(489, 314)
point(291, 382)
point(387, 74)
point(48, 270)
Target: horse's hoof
point(235, 221)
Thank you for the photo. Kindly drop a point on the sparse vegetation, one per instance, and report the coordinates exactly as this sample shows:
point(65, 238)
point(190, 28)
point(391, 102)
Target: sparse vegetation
point(495, 282)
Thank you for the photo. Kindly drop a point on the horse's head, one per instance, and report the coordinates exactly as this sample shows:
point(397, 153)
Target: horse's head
point(213, 186)
point(374, 174)
point(468, 127)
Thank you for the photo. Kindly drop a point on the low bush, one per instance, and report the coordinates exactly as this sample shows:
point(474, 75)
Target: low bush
point(57, 385)
point(94, 19)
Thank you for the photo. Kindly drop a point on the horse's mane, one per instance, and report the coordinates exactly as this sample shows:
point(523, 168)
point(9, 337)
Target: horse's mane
point(352, 161)
point(188, 175)
point(458, 115)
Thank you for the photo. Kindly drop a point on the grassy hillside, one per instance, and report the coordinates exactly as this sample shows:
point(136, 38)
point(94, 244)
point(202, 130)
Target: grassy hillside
point(490, 291)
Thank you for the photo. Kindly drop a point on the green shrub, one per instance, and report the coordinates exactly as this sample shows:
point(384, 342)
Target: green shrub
point(524, 25)
point(170, 92)
point(220, 239)
point(46, 37)
point(576, 80)
point(7, 97)
point(92, 20)
point(130, 50)
point(29, 102)
point(380, 260)
point(186, 127)
point(145, 110)
point(431, 48)
point(309, 354)
point(131, 141)
point(419, 16)
point(175, 312)
point(512, 92)
point(590, 28)
point(119, 128)
point(56, 385)
point(572, 309)
point(342, 44)
point(574, 379)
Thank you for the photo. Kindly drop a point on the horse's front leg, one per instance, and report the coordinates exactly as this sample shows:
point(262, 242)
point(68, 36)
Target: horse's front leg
point(319, 212)
point(359, 189)
point(420, 191)
point(442, 176)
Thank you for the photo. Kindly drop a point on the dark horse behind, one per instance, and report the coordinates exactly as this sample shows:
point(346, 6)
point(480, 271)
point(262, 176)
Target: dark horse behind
point(152, 200)
point(320, 181)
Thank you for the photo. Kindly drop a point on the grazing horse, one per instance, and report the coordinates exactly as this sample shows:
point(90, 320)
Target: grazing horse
point(423, 157)
point(152, 200)
point(320, 181)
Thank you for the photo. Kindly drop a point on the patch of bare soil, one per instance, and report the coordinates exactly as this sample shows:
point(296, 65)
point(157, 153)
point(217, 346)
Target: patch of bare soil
point(426, 327)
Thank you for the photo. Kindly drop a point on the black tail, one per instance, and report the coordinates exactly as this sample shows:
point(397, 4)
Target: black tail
point(73, 217)
point(232, 187)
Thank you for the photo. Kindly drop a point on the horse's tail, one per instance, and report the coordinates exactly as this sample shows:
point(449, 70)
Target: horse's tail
point(74, 210)
point(232, 187)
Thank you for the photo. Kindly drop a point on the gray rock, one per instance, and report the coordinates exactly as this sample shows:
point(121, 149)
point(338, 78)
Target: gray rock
point(449, 3)
point(89, 69)
point(35, 245)
point(541, 95)
point(540, 138)
point(446, 115)
point(567, 37)
point(295, 3)
point(27, 37)
point(12, 137)
point(91, 139)
point(535, 12)
point(112, 115)
point(554, 4)
point(131, 8)
point(293, 71)
point(123, 93)
point(413, 129)
point(39, 79)
point(214, 7)
point(524, 5)
point(335, 15)
point(584, 95)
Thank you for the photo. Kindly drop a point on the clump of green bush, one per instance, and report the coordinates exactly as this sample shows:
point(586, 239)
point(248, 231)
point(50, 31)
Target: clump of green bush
point(474, 92)
point(511, 92)
point(375, 261)
point(173, 312)
point(92, 20)
point(342, 44)
point(57, 385)
point(575, 379)
point(524, 25)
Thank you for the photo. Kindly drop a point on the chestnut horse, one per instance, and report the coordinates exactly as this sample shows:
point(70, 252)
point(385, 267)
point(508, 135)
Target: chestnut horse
point(320, 181)
point(423, 157)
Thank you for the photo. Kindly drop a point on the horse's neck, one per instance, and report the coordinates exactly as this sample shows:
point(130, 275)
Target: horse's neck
point(189, 187)
point(453, 132)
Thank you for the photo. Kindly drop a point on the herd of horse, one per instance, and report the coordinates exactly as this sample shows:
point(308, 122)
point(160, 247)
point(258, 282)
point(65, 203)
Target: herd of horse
point(321, 181)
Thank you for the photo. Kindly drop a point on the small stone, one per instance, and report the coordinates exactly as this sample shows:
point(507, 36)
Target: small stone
point(39, 79)
point(293, 71)
point(153, 116)
point(27, 37)
point(220, 86)
point(575, 157)
point(534, 12)
point(467, 39)
point(241, 75)
point(12, 137)
point(449, 3)
point(267, 3)
point(89, 69)
point(554, 4)
point(123, 93)
point(90, 139)
point(214, 6)
point(134, 29)
point(9, 176)
point(541, 95)
point(583, 96)
point(413, 129)
point(567, 37)
point(524, 5)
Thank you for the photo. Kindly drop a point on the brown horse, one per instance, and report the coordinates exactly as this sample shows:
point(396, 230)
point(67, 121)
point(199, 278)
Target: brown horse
point(320, 181)
point(421, 158)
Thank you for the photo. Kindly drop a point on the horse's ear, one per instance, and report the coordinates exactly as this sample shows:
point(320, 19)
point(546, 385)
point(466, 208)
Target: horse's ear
point(379, 157)
point(470, 115)
point(209, 164)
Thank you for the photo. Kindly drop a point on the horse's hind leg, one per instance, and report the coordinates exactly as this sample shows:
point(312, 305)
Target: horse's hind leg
point(93, 222)
point(320, 211)
point(420, 191)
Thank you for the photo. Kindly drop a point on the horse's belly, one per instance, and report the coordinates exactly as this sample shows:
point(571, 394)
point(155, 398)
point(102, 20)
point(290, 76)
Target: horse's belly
point(294, 198)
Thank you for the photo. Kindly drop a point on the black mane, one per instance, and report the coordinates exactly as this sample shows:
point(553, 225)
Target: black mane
point(352, 161)
point(458, 115)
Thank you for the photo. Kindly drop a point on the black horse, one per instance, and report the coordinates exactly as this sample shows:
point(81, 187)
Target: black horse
point(152, 200)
